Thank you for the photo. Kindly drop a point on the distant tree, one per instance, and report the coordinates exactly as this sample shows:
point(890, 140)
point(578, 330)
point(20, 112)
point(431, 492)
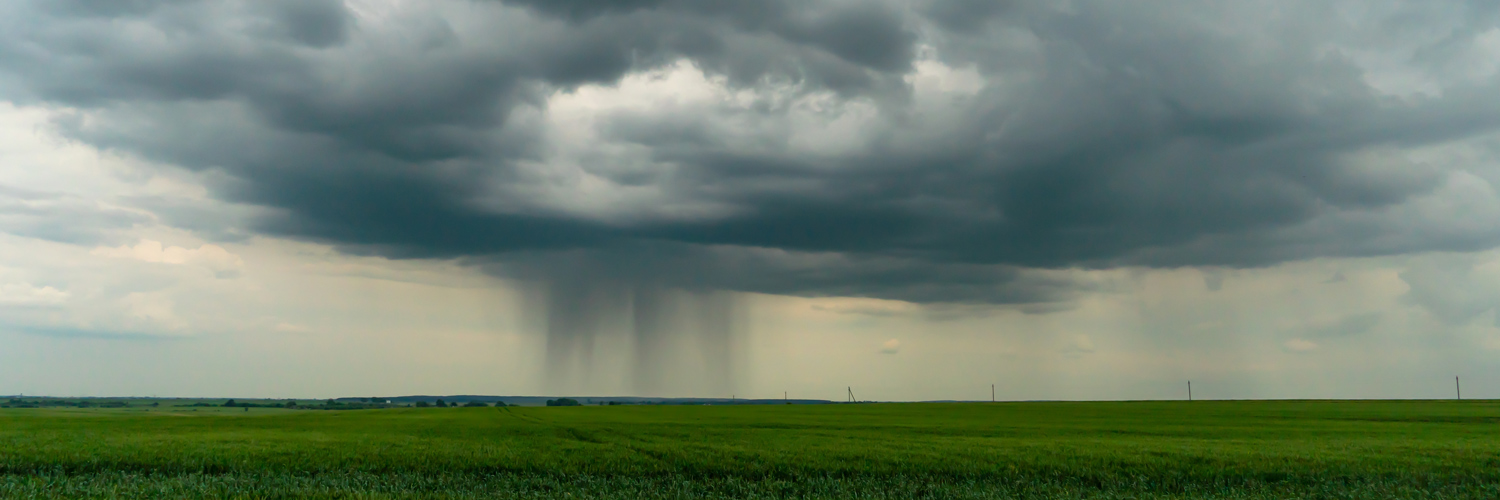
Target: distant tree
point(499, 404)
point(441, 404)
point(291, 404)
point(563, 402)
point(229, 404)
point(422, 404)
point(475, 404)
point(155, 404)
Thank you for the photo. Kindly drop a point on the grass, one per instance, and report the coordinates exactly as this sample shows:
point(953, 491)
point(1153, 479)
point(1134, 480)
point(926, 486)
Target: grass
point(1283, 449)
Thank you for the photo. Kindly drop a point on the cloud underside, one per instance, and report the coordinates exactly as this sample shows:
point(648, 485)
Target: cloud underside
point(930, 151)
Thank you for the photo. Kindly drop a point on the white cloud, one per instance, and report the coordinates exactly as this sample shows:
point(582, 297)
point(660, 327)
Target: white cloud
point(211, 257)
point(24, 294)
point(864, 306)
point(150, 307)
point(891, 346)
point(933, 78)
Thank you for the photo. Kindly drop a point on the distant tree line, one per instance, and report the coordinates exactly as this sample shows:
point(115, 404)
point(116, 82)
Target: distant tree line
point(241, 404)
point(63, 403)
point(293, 404)
point(444, 404)
point(329, 404)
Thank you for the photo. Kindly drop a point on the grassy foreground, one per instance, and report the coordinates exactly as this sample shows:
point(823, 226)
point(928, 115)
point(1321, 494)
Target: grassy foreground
point(1304, 449)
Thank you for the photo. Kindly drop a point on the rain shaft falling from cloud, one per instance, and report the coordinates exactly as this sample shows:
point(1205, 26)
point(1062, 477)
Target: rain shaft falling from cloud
point(602, 329)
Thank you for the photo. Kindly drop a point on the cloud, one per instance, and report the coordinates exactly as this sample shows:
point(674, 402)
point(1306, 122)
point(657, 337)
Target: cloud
point(292, 328)
point(933, 152)
point(781, 272)
point(24, 294)
point(891, 346)
point(1213, 279)
point(1454, 289)
point(53, 312)
point(1352, 324)
point(866, 307)
point(154, 309)
point(1330, 326)
point(63, 218)
point(1078, 345)
point(870, 34)
point(212, 257)
point(1300, 345)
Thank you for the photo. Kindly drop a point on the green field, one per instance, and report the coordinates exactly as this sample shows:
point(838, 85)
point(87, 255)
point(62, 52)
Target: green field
point(1286, 449)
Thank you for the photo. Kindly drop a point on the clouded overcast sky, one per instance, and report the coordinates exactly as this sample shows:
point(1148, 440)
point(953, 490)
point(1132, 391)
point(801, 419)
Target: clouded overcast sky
point(1071, 200)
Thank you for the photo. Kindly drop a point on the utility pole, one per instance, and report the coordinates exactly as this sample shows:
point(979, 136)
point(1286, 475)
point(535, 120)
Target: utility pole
point(1457, 390)
point(1190, 390)
point(992, 393)
point(851, 395)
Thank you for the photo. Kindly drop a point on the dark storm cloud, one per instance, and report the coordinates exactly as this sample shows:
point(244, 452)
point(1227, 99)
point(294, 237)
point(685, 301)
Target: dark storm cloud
point(110, 8)
point(866, 33)
point(696, 267)
point(964, 16)
point(1101, 134)
point(317, 23)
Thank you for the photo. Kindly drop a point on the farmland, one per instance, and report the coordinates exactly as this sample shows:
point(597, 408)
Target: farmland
point(1205, 449)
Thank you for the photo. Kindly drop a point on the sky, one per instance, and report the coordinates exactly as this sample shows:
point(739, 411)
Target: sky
point(915, 199)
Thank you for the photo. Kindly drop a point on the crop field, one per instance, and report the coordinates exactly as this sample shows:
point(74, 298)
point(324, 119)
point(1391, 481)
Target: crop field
point(1115, 450)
